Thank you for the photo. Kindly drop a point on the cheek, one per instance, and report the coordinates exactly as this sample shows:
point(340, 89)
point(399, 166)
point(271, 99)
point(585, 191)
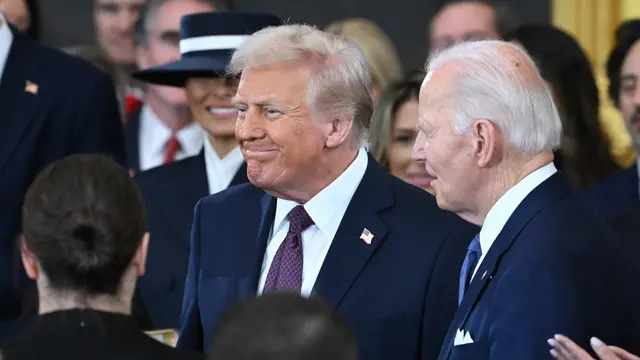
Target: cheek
point(626, 107)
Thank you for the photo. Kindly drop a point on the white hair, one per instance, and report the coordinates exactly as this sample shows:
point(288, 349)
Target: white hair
point(340, 83)
point(506, 90)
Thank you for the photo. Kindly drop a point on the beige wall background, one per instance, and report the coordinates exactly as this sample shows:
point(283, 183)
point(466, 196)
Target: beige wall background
point(593, 23)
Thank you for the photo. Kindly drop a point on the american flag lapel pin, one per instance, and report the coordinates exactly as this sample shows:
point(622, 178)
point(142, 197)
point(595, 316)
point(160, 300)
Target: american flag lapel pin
point(31, 87)
point(366, 236)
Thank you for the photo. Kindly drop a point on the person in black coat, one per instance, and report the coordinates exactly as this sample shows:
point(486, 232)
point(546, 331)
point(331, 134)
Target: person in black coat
point(85, 249)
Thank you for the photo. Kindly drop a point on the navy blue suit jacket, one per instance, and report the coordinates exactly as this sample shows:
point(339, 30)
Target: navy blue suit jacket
point(74, 110)
point(399, 293)
point(555, 268)
point(614, 195)
point(132, 139)
point(171, 192)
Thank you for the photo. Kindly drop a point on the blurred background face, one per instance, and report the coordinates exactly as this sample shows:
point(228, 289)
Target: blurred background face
point(210, 102)
point(457, 23)
point(403, 136)
point(163, 44)
point(114, 21)
point(630, 93)
point(17, 13)
point(280, 142)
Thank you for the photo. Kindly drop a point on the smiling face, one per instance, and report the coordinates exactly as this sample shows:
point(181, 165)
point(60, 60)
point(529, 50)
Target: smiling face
point(280, 141)
point(210, 102)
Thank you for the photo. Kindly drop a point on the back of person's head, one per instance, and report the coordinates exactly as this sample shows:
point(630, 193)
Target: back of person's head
point(282, 326)
point(83, 223)
point(585, 156)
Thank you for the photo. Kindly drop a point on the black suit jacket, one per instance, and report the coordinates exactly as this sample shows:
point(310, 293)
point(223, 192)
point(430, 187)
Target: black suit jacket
point(69, 107)
point(171, 192)
point(87, 334)
point(627, 225)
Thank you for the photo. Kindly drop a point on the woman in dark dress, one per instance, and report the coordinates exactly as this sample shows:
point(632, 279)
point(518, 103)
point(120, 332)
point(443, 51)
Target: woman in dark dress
point(85, 245)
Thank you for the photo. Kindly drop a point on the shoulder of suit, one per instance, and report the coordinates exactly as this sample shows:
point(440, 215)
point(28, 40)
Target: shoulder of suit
point(243, 194)
point(168, 171)
point(71, 67)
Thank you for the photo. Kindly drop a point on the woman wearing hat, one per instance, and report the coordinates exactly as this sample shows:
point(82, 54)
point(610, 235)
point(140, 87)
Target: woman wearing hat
point(171, 191)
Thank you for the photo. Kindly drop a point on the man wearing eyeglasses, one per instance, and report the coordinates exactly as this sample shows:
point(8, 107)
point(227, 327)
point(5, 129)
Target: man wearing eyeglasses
point(163, 130)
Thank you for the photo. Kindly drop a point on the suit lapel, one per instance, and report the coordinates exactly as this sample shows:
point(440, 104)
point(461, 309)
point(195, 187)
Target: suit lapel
point(268, 213)
point(131, 136)
point(349, 254)
point(546, 193)
point(19, 105)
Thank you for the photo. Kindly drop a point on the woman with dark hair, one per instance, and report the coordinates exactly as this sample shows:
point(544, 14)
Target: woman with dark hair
point(584, 156)
point(85, 244)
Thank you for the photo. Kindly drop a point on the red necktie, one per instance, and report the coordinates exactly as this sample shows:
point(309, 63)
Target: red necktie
point(285, 272)
point(170, 149)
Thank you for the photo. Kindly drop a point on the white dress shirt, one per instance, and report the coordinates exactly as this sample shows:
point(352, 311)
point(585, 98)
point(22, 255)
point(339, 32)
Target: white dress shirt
point(502, 210)
point(153, 137)
point(220, 172)
point(6, 39)
point(326, 209)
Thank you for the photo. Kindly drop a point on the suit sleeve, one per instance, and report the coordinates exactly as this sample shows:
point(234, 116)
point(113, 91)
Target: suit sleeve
point(98, 122)
point(531, 305)
point(442, 294)
point(190, 326)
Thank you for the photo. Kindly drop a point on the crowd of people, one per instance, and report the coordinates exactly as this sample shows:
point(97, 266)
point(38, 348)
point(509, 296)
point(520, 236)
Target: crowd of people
point(273, 190)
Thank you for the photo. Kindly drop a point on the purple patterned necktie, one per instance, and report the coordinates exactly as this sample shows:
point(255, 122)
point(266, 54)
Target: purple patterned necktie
point(285, 273)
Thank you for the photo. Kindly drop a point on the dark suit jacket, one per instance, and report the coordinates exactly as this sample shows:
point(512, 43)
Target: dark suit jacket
point(627, 225)
point(87, 334)
point(398, 293)
point(555, 268)
point(171, 192)
point(614, 195)
point(132, 138)
point(74, 110)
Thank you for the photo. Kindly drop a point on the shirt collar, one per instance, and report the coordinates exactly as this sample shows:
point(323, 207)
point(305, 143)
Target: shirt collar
point(232, 161)
point(6, 39)
point(502, 210)
point(154, 133)
point(328, 206)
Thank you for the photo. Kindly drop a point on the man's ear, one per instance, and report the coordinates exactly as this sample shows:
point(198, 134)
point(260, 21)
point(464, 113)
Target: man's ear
point(139, 260)
point(487, 142)
point(29, 260)
point(338, 132)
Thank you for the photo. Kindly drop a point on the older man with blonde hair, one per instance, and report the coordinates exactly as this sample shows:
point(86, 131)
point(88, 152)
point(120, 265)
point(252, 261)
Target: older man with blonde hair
point(542, 263)
point(321, 217)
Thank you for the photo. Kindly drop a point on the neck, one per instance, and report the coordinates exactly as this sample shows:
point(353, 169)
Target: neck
point(222, 145)
point(325, 170)
point(175, 117)
point(505, 178)
point(51, 300)
point(69, 301)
